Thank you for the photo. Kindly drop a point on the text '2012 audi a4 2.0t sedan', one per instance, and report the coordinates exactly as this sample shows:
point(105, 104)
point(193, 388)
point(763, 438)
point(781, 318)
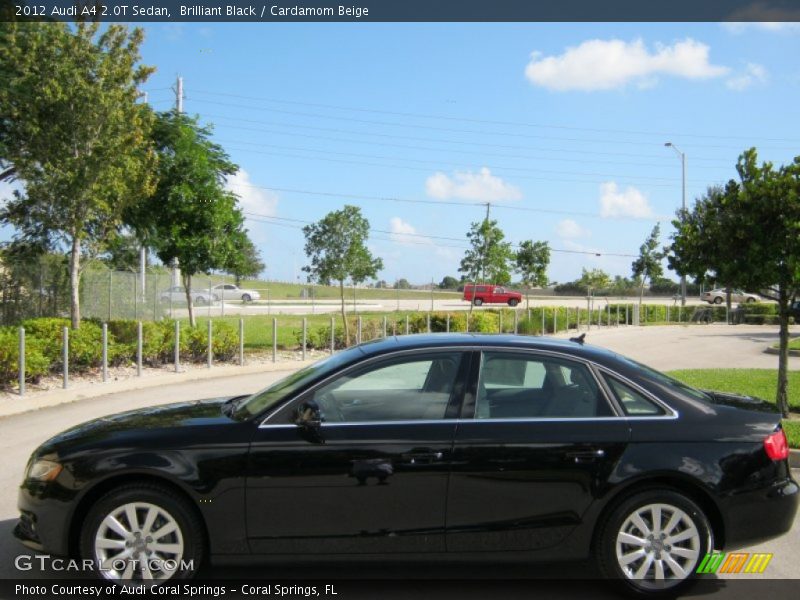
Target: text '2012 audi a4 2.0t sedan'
point(441, 446)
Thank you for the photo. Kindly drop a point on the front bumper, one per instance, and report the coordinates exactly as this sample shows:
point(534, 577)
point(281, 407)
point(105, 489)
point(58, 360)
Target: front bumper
point(761, 515)
point(44, 520)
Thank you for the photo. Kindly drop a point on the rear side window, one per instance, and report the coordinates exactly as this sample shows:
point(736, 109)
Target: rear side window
point(633, 403)
point(536, 387)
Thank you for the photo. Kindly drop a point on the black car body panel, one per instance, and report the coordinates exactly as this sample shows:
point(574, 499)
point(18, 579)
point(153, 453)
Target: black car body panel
point(456, 485)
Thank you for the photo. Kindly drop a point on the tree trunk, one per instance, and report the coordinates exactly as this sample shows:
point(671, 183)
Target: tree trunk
point(344, 315)
point(782, 397)
point(187, 288)
point(74, 282)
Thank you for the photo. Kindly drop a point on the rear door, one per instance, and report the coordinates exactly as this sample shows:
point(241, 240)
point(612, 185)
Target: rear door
point(536, 444)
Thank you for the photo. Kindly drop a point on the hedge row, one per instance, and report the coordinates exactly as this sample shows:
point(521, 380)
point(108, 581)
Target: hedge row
point(44, 345)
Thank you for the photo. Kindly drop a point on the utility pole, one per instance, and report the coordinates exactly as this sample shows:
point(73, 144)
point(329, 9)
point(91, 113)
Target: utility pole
point(143, 253)
point(176, 269)
point(485, 245)
point(683, 207)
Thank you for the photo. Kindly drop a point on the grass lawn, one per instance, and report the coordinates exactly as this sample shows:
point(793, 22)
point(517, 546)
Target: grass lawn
point(794, 344)
point(278, 291)
point(761, 383)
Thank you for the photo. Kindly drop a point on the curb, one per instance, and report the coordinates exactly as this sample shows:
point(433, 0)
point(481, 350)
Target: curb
point(776, 351)
point(50, 398)
point(794, 459)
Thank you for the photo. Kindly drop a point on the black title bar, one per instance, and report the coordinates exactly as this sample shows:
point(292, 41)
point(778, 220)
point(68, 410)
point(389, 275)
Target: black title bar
point(133, 11)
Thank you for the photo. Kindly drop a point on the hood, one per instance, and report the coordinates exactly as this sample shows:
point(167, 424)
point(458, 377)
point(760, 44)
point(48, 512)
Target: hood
point(143, 423)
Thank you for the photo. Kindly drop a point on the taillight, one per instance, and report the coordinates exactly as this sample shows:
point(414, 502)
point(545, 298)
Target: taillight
point(776, 445)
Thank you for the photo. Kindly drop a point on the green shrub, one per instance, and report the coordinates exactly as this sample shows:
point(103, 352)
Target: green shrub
point(36, 363)
point(194, 342)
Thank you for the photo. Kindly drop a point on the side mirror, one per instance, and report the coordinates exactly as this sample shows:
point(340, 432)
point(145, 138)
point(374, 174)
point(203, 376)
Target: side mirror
point(309, 418)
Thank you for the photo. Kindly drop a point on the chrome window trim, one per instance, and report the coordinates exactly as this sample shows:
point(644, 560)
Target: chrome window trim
point(358, 365)
point(669, 411)
point(594, 368)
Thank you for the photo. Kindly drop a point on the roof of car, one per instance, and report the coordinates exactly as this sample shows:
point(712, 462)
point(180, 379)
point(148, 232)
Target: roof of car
point(443, 340)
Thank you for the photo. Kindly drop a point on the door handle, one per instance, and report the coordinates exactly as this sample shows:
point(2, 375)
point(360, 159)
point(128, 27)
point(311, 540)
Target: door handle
point(582, 456)
point(422, 458)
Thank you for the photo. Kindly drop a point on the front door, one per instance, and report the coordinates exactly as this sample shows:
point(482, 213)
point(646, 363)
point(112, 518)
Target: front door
point(375, 480)
point(531, 454)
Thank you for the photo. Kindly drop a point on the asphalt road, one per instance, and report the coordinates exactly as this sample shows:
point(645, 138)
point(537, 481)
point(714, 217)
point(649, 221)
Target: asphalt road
point(664, 348)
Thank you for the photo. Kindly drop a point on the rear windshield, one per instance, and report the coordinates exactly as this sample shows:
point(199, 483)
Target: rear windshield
point(665, 380)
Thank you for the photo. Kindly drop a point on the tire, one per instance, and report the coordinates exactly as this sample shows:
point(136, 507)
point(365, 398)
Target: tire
point(200, 301)
point(246, 298)
point(749, 300)
point(513, 302)
point(184, 544)
point(718, 300)
point(477, 301)
point(627, 554)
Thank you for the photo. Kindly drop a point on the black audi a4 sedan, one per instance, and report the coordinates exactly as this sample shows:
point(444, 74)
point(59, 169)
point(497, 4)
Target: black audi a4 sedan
point(450, 446)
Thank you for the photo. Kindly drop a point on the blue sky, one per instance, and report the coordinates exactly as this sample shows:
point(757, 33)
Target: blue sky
point(560, 126)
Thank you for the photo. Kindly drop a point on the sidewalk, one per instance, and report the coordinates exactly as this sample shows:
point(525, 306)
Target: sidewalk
point(84, 387)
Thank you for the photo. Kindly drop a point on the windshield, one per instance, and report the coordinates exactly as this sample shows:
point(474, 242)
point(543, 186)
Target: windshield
point(274, 394)
point(665, 380)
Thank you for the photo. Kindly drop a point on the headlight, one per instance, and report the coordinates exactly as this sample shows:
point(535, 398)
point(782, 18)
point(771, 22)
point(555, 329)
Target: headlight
point(43, 470)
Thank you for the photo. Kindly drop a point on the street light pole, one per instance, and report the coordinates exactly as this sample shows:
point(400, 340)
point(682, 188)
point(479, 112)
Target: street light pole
point(683, 206)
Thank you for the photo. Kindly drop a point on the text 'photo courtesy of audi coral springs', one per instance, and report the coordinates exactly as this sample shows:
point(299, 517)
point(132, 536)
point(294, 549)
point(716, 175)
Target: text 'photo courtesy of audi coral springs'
point(439, 446)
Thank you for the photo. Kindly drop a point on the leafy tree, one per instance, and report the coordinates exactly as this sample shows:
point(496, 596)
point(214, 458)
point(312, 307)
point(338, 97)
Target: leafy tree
point(336, 247)
point(489, 256)
point(246, 262)
point(648, 263)
point(72, 131)
point(402, 284)
point(191, 216)
point(596, 279)
point(747, 236)
point(532, 260)
point(123, 252)
point(448, 283)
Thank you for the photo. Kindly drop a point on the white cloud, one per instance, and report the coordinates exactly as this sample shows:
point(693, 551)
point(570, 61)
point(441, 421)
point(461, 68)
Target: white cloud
point(466, 185)
point(628, 203)
point(753, 74)
point(403, 232)
point(252, 199)
point(569, 229)
point(611, 64)
point(768, 26)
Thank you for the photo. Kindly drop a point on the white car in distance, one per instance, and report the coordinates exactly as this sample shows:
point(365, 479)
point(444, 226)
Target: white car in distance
point(228, 291)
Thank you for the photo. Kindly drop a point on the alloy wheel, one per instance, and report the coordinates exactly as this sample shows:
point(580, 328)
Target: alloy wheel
point(139, 540)
point(658, 546)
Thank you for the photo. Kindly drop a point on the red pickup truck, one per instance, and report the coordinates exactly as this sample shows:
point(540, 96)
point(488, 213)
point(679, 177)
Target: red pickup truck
point(490, 294)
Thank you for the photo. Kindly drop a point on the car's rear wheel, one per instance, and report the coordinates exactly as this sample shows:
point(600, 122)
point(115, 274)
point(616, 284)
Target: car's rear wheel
point(142, 532)
point(200, 301)
point(246, 298)
point(718, 300)
point(477, 301)
point(749, 300)
point(513, 302)
point(652, 542)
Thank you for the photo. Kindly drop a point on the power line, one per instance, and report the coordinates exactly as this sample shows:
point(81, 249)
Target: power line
point(445, 162)
point(341, 195)
point(454, 130)
point(277, 221)
point(440, 117)
point(424, 169)
point(471, 144)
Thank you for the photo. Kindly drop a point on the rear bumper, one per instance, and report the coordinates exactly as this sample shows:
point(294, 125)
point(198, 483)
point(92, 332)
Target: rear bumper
point(761, 515)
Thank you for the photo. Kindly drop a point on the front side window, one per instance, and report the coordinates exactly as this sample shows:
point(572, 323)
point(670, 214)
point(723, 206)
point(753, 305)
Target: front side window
point(402, 389)
point(533, 387)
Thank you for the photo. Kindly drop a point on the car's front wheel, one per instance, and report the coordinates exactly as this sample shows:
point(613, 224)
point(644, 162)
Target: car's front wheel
point(246, 298)
point(513, 302)
point(142, 532)
point(652, 542)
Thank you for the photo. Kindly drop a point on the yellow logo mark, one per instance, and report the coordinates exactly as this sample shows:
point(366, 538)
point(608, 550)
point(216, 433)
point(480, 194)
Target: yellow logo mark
point(758, 562)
